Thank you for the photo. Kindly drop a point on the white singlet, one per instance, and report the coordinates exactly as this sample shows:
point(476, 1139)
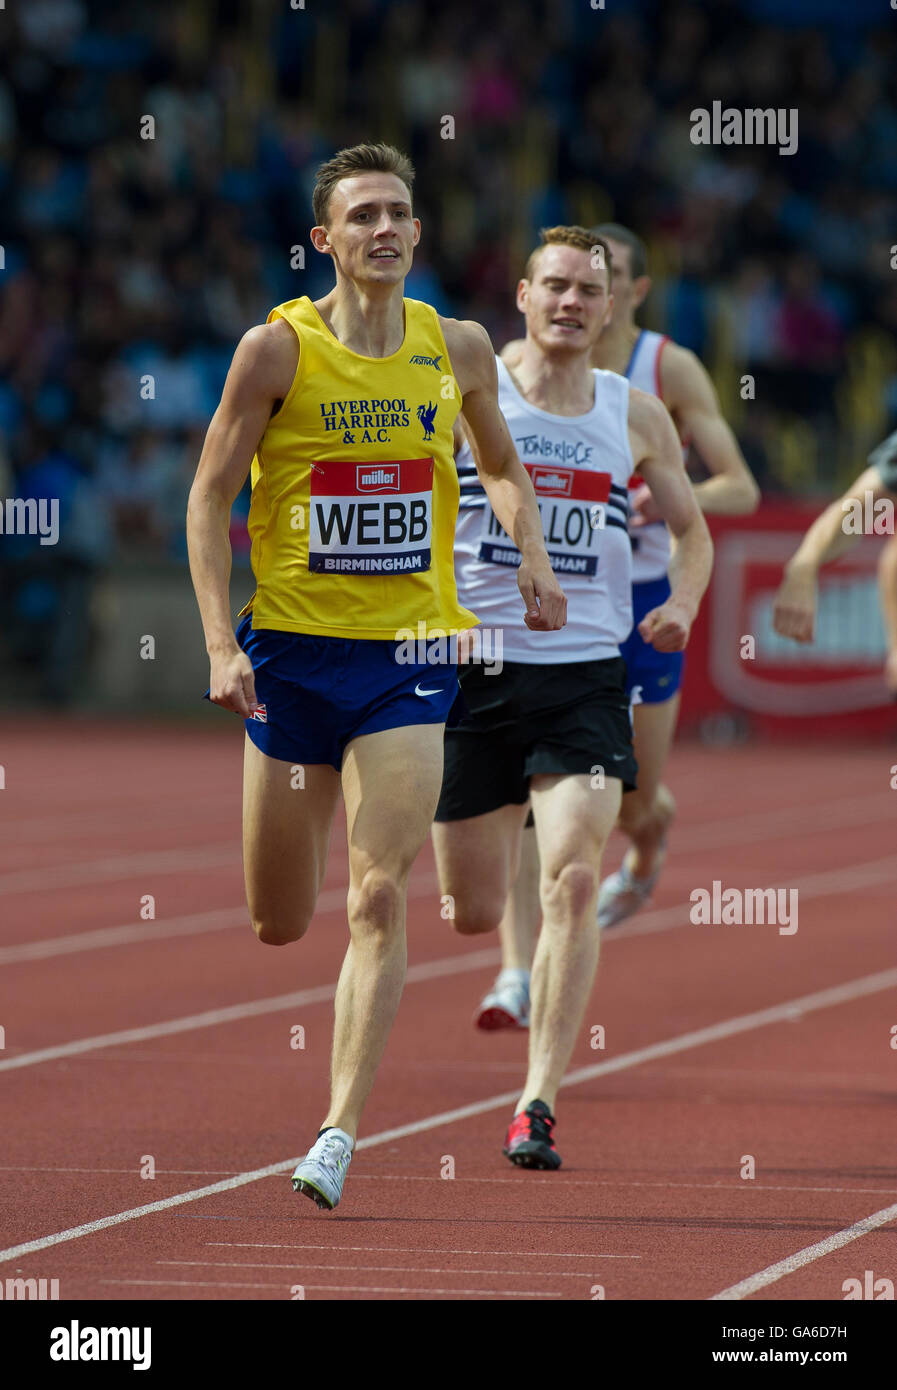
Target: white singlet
point(651, 543)
point(580, 466)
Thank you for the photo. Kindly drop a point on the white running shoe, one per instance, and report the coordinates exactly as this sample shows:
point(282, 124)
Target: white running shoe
point(621, 894)
point(322, 1172)
point(507, 1003)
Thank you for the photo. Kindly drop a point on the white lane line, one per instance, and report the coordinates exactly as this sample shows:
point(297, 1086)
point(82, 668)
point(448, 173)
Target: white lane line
point(728, 1028)
point(721, 831)
point(164, 1204)
point(413, 1250)
point(689, 839)
point(255, 1008)
point(827, 883)
point(299, 1264)
point(534, 1180)
point(210, 1019)
point(117, 810)
point(115, 867)
point(190, 924)
point(160, 1172)
point(540, 1180)
point(335, 1288)
point(793, 820)
point(773, 1273)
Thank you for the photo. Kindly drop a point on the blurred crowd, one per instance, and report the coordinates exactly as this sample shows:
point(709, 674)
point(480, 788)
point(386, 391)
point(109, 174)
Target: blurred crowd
point(132, 265)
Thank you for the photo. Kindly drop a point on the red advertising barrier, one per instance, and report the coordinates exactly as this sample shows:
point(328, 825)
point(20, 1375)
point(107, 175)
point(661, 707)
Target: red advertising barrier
point(772, 685)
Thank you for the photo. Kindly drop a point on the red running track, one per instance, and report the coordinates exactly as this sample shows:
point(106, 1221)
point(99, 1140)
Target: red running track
point(135, 1046)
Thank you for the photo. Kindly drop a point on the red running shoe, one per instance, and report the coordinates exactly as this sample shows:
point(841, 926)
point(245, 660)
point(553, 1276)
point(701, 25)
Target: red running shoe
point(529, 1143)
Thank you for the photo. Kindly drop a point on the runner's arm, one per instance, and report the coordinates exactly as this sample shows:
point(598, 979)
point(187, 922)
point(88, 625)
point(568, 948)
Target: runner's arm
point(794, 608)
point(505, 481)
point(657, 455)
point(691, 397)
point(259, 375)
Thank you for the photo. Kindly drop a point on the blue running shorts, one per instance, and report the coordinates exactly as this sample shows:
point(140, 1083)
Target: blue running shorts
point(318, 693)
point(657, 674)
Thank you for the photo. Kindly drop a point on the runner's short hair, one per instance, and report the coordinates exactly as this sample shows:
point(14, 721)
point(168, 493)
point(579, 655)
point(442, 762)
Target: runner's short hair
point(579, 237)
point(359, 159)
point(638, 252)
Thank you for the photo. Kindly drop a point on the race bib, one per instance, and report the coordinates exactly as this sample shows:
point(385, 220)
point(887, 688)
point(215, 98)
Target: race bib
point(370, 518)
point(572, 504)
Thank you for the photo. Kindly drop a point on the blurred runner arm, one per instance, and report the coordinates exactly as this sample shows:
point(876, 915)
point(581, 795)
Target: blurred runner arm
point(692, 399)
point(794, 608)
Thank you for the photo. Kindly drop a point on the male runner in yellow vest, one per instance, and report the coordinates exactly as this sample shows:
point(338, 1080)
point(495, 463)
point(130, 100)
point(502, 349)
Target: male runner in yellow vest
point(344, 408)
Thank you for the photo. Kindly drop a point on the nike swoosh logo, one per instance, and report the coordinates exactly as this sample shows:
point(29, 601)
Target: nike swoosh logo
point(418, 691)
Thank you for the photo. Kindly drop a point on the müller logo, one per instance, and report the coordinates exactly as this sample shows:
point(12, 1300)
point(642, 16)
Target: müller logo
point(377, 479)
point(555, 480)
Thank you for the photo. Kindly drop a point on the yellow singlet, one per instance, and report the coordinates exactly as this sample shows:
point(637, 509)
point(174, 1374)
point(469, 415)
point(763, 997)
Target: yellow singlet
point(355, 490)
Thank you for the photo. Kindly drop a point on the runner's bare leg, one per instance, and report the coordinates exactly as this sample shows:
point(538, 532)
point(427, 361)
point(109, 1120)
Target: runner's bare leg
point(573, 822)
point(522, 917)
point(391, 783)
point(647, 813)
point(287, 818)
point(477, 860)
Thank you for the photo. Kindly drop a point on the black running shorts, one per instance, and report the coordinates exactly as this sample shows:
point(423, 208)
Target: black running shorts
point(529, 719)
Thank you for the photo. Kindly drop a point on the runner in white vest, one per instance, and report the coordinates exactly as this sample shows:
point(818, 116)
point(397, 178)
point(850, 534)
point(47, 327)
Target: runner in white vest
point(580, 468)
point(653, 363)
point(553, 725)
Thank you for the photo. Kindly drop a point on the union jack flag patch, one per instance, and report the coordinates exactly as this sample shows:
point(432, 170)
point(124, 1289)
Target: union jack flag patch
point(261, 714)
